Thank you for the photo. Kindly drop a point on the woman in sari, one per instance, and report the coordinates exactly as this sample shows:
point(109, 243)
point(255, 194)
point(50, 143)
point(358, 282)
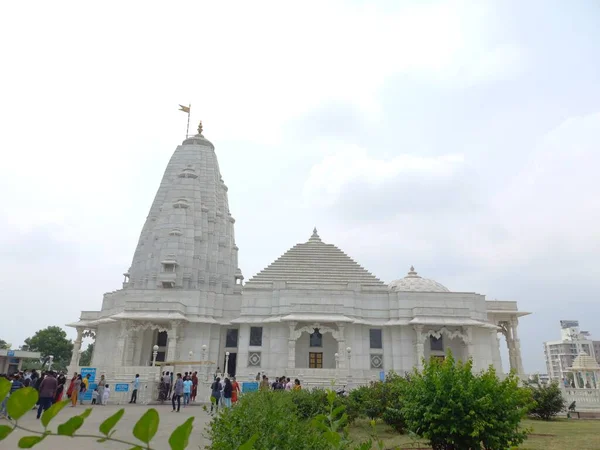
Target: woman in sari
point(61, 380)
point(72, 385)
point(194, 386)
point(235, 386)
point(75, 393)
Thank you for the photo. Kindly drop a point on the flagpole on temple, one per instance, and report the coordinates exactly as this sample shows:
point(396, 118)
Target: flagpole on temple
point(186, 109)
point(187, 130)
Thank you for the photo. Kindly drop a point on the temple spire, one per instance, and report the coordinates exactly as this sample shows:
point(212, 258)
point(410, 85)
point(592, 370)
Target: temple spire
point(315, 235)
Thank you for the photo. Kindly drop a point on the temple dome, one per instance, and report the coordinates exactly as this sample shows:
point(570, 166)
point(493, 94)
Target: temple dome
point(414, 283)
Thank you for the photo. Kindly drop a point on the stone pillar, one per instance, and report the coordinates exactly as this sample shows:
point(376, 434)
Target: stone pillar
point(419, 346)
point(243, 348)
point(76, 348)
point(507, 332)
point(468, 340)
point(172, 343)
point(120, 350)
point(131, 346)
point(341, 347)
point(139, 344)
point(516, 346)
point(292, 346)
point(496, 357)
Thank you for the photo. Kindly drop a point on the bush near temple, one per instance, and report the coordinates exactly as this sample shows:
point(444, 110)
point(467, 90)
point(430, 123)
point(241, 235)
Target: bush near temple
point(453, 408)
point(548, 400)
point(270, 419)
point(310, 403)
point(381, 400)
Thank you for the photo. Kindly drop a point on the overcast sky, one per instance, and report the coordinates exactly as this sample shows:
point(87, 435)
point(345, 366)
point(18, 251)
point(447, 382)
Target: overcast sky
point(461, 137)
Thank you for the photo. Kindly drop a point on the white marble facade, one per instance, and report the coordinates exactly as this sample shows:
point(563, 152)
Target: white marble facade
point(184, 292)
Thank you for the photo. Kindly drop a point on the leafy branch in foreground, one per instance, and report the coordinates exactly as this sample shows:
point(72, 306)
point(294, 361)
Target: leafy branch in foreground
point(23, 400)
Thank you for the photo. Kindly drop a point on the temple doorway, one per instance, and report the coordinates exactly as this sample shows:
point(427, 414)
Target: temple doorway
point(231, 366)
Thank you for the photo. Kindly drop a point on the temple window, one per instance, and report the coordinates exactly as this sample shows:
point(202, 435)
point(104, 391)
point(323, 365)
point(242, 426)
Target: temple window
point(161, 338)
point(316, 339)
point(436, 344)
point(231, 339)
point(168, 267)
point(256, 336)
point(375, 337)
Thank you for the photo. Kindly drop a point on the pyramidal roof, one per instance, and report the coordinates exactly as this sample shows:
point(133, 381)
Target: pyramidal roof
point(315, 262)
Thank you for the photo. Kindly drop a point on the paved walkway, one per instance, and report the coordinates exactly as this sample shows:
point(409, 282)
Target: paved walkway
point(168, 422)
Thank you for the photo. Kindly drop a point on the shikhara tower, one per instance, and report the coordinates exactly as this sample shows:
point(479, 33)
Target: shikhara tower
point(314, 313)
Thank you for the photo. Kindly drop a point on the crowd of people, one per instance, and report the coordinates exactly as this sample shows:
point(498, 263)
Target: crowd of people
point(177, 388)
point(49, 384)
point(52, 386)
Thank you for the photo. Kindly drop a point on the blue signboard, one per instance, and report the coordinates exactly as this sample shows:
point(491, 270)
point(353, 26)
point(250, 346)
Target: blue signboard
point(251, 386)
point(121, 387)
point(91, 371)
point(11, 353)
point(382, 376)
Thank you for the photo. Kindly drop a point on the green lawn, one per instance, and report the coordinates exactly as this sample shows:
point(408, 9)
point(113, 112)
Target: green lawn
point(560, 434)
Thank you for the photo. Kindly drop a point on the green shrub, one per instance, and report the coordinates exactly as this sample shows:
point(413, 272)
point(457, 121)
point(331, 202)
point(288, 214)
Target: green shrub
point(269, 417)
point(380, 400)
point(310, 403)
point(453, 408)
point(548, 400)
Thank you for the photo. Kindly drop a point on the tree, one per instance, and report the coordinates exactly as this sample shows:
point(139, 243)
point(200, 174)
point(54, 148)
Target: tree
point(51, 341)
point(548, 400)
point(86, 355)
point(4, 345)
point(453, 408)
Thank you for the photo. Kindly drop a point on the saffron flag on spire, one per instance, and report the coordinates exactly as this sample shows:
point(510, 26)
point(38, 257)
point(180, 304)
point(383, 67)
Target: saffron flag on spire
point(185, 109)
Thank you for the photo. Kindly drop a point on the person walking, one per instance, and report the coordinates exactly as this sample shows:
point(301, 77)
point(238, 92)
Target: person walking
point(136, 386)
point(235, 390)
point(297, 386)
point(167, 382)
point(177, 392)
point(85, 384)
point(101, 384)
point(187, 391)
point(194, 386)
point(215, 394)
point(48, 388)
point(75, 393)
point(71, 385)
point(227, 391)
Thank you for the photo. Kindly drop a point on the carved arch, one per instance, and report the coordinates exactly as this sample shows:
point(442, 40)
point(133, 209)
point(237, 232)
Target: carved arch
point(464, 336)
point(140, 326)
point(322, 329)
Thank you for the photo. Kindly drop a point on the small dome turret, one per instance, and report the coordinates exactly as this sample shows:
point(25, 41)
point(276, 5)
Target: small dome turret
point(414, 283)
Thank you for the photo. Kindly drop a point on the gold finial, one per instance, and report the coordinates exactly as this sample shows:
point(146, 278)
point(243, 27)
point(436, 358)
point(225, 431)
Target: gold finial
point(200, 128)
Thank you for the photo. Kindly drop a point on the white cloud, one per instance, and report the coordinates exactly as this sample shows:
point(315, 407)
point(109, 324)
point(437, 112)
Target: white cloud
point(329, 178)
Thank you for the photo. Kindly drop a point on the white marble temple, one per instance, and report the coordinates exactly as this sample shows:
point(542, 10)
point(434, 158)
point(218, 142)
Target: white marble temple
point(314, 313)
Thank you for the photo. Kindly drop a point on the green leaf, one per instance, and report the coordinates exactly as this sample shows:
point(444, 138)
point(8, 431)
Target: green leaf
point(249, 444)
point(86, 413)
point(109, 423)
point(4, 431)
point(4, 387)
point(50, 413)
point(30, 441)
point(21, 401)
point(70, 426)
point(179, 439)
point(146, 427)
